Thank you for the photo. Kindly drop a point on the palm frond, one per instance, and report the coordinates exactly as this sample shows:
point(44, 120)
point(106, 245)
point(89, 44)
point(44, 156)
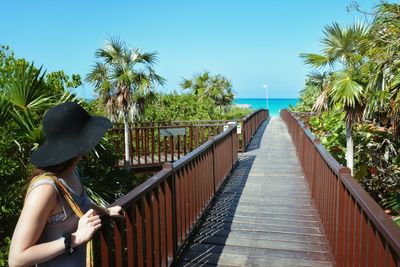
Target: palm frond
point(148, 57)
point(186, 84)
point(346, 90)
point(322, 102)
point(113, 51)
point(155, 78)
point(316, 60)
point(26, 90)
point(28, 129)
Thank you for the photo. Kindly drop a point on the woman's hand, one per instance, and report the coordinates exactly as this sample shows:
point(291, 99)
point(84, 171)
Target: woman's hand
point(88, 224)
point(115, 211)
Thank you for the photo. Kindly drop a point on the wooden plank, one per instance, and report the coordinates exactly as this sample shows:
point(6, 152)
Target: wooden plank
point(261, 235)
point(260, 221)
point(233, 260)
point(264, 215)
point(259, 243)
point(197, 249)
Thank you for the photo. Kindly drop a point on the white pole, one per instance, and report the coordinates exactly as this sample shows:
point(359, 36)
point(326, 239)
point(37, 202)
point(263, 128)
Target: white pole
point(266, 94)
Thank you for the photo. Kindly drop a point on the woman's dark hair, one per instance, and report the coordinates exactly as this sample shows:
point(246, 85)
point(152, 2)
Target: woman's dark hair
point(52, 170)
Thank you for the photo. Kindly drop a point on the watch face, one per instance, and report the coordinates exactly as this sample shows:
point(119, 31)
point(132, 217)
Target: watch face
point(71, 250)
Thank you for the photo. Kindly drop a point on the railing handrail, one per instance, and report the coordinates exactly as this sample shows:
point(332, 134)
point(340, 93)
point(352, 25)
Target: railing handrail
point(389, 230)
point(249, 116)
point(187, 123)
point(167, 126)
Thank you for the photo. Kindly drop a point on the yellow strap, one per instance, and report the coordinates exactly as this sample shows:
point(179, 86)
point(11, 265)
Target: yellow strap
point(75, 207)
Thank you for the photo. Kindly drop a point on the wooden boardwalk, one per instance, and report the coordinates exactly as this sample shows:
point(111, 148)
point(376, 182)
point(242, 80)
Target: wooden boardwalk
point(263, 214)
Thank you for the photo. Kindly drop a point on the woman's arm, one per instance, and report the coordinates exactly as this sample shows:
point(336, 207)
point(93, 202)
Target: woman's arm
point(39, 203)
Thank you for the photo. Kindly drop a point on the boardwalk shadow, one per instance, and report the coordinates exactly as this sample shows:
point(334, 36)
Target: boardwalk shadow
point(256, 141)
point(208, 240)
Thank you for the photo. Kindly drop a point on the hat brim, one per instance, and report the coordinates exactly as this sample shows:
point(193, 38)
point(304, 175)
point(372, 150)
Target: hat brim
point(57, 151)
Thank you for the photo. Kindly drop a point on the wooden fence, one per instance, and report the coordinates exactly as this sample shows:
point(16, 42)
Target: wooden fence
point(158, 143)
point(358, 230)
point(250, 125)
point(155, 145)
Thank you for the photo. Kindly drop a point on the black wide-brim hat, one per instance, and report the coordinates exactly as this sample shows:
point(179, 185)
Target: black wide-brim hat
point(70, 132)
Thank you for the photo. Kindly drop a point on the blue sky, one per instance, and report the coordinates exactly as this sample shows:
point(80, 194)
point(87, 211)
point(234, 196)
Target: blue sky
point(250, 42)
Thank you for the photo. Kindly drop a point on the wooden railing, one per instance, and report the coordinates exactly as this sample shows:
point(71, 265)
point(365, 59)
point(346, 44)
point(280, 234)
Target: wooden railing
point(250, 125)
point(358, 230)
point(161, 213)
point(155, 144)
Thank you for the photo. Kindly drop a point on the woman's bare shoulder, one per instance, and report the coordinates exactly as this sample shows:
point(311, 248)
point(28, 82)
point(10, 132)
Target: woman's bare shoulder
point(41, 199)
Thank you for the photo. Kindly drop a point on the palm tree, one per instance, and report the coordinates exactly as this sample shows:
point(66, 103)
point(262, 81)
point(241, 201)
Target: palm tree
point(344, 50)
point(198, 85)
point(220, 90)
point(215, 87)
point(119, 72)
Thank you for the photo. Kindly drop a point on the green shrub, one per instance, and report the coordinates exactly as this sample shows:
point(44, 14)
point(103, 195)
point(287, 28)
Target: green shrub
point(12, 179)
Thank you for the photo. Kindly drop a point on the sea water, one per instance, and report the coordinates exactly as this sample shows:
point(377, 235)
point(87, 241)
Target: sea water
point(274, 104)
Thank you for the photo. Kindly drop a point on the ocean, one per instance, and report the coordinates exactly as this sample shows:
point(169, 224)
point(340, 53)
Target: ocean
point(274, 104)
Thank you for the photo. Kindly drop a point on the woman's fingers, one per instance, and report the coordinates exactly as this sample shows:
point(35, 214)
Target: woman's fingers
point(96, 222)
point(92, 218)
point(97, 227)
point(88, 214)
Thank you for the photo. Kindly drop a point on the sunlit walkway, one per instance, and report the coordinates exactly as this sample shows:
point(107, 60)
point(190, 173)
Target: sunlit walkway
point(263, 215)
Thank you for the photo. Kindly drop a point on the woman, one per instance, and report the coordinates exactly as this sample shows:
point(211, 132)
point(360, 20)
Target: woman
point(49, 232)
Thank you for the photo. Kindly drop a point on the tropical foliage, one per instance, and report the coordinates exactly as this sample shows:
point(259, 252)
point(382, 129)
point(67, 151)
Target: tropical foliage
point(174, 106)
point(213, 87)
point(355, 90)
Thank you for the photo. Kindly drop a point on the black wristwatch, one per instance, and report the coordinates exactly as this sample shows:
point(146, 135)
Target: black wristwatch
point(67, 243)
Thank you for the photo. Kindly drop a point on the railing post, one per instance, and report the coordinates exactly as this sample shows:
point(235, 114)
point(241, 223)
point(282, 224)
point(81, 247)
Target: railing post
point(213, 162)
point(191, 136)
point(243, 136)
point(196, 135)
point(232, 145)
point(168, 167)
point(314, 172)
point(231, 134)
point(340, 223)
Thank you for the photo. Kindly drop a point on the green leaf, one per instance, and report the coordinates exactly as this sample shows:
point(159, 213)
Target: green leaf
point(345, 90)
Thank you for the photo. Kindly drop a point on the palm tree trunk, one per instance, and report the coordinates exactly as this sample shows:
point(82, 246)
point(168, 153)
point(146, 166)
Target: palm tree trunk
point(126, 138)
point(349, 146)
